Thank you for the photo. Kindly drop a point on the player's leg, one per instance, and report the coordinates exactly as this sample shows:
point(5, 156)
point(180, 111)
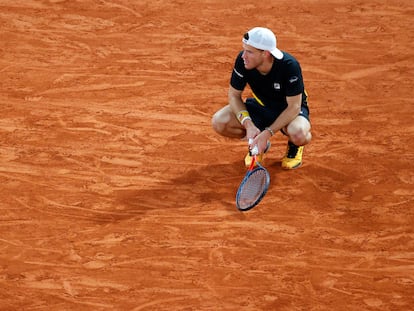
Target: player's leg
point(225, 123)
point(299, 133)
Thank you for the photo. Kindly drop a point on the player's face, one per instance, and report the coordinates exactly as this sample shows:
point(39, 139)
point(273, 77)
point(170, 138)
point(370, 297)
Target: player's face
point(252, 57)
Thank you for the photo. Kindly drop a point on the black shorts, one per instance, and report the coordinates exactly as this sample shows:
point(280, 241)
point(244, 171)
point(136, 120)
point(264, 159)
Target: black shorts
point(263, 116)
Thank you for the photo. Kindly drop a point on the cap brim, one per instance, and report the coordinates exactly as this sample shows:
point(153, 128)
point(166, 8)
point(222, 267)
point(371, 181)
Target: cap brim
point(277, 53)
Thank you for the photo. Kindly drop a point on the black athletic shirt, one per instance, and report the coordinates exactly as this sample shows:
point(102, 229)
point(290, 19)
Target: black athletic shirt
point(270, 90)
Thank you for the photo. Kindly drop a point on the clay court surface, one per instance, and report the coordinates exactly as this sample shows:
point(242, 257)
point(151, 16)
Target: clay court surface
point(116, 194)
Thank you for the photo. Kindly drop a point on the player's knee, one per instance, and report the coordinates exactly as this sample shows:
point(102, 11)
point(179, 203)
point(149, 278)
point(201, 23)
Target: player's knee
point(293, 128)
point(218, 122)
point(299, 134)
point(302, 139)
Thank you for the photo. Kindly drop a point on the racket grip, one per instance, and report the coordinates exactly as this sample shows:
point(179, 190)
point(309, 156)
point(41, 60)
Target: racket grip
point(253, 151)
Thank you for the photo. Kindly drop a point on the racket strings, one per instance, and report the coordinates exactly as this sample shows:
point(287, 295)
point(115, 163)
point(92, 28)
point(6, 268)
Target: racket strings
point(253, 189)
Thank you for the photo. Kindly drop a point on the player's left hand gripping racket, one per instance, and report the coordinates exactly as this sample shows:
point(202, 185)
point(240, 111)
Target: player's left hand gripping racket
point(254, 184)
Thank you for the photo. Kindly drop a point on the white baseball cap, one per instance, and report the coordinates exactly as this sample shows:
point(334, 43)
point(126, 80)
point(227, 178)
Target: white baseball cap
point(262, 39)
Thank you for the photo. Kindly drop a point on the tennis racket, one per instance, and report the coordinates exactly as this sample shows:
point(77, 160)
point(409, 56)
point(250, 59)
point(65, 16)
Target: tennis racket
point(254, 185)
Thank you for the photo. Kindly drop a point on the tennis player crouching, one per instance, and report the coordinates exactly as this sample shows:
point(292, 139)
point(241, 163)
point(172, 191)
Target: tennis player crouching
point(279, 101)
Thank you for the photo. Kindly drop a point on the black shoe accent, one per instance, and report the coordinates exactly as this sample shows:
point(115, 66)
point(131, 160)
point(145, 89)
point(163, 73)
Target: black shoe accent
point(292, 151)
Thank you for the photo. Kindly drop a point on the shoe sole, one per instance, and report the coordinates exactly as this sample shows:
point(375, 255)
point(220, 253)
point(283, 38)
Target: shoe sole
point(293, 167)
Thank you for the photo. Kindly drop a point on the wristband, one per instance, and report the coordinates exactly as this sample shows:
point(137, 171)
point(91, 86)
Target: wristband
point(270, 131)
point(245, 119)
point(242, 116)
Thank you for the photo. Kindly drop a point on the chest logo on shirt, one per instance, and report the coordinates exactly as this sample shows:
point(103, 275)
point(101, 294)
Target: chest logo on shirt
point(276, 86)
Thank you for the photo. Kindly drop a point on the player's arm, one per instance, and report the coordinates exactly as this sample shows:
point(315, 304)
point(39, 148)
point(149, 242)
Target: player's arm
point(289, 114)
point(239, 109)
point(235, 100)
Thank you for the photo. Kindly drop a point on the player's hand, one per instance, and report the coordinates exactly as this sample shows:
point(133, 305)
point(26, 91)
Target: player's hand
point(260, 141)
point(251, 130)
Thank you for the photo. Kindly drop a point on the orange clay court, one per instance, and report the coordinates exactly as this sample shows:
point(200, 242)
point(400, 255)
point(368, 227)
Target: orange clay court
point(116, 194)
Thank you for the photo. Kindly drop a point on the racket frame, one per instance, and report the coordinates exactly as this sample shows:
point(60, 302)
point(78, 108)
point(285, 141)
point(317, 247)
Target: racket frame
point(254, 166)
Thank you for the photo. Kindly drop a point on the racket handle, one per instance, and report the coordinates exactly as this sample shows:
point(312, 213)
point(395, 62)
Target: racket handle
point(253, 151)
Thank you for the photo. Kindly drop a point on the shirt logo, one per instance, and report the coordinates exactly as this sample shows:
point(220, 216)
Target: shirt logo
point(293, 79)
point(276, 86)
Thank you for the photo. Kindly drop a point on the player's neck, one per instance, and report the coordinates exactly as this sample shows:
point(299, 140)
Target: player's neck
point(266, 66)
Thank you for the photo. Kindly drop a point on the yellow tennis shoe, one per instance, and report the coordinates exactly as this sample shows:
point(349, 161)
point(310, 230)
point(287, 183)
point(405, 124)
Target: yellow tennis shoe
point(248, 159)
point(293, 156)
